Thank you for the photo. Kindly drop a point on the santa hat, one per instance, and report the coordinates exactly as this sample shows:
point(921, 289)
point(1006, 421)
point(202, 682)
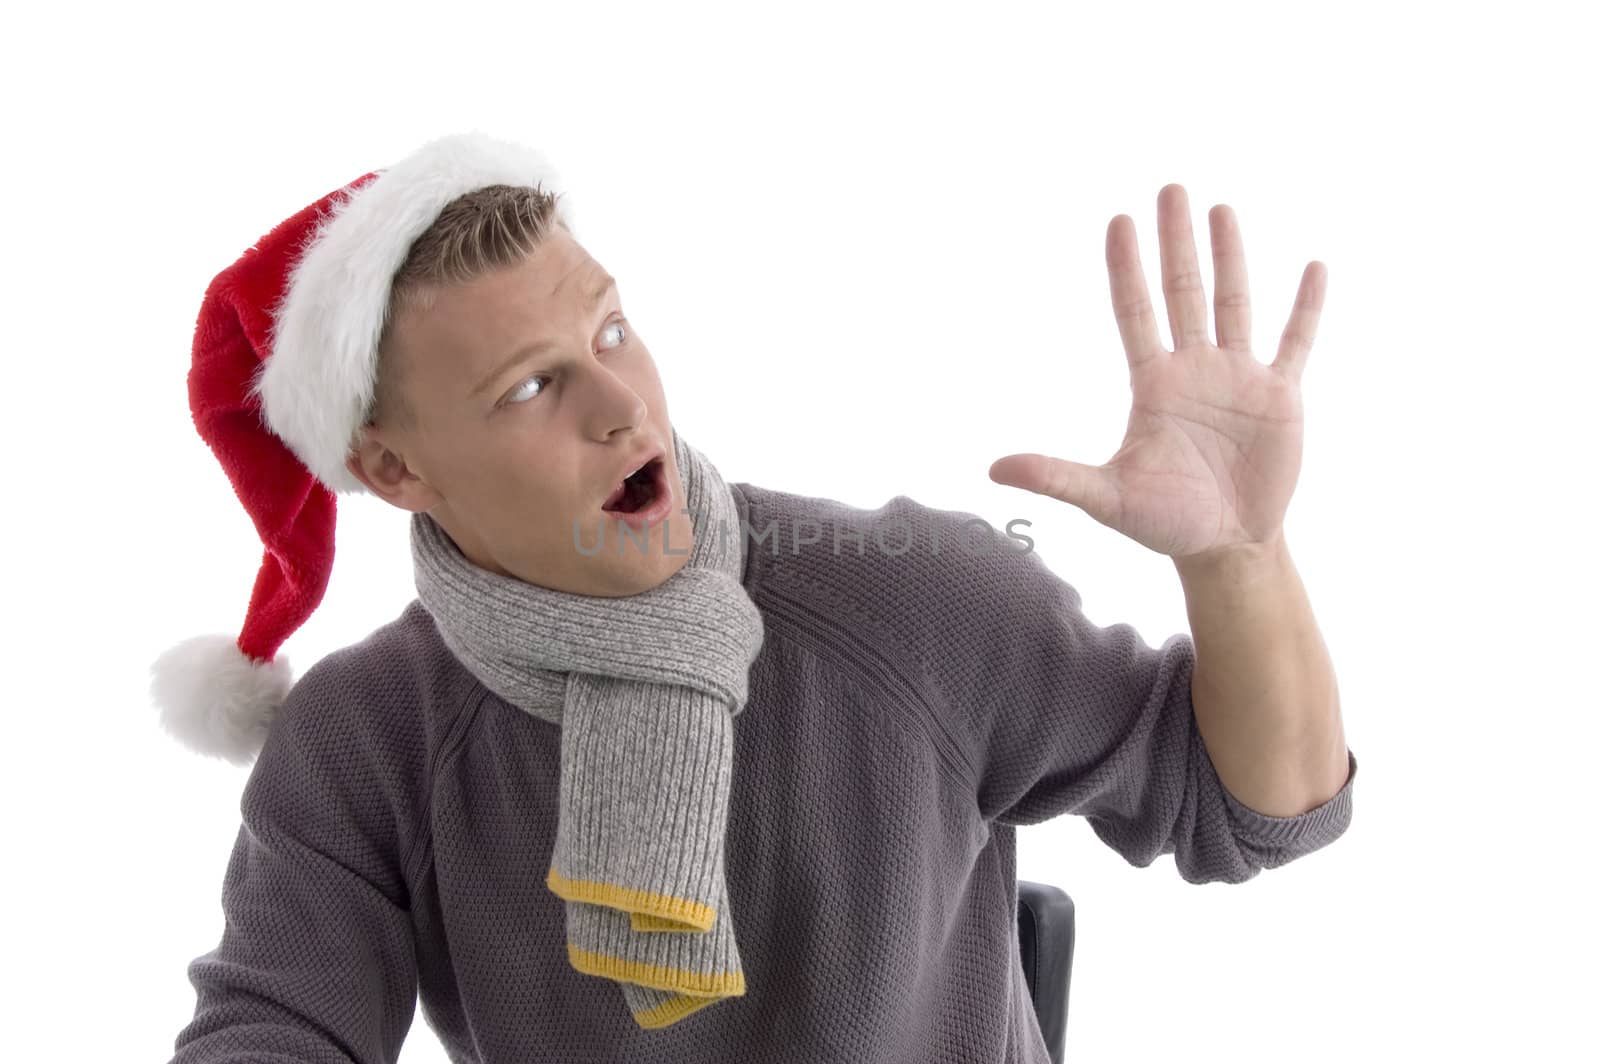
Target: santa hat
point(284, 366)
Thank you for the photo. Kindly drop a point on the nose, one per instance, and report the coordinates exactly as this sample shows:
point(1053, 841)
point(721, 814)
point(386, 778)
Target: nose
point(610, 403)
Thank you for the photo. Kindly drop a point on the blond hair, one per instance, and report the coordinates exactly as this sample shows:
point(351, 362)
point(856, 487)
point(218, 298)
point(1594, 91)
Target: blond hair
point(485, 230)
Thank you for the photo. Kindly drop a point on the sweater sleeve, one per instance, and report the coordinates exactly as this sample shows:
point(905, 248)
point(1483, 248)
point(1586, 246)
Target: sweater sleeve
point(316, 961)
point(1073, 717)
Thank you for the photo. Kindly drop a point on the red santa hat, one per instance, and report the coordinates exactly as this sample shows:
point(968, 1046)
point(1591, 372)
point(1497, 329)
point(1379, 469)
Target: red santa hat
point(284, 366)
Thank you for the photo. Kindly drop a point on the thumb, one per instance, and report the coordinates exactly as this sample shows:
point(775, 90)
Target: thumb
point(1087, 487)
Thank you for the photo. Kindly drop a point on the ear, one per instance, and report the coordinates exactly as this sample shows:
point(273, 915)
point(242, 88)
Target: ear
point(387, 476)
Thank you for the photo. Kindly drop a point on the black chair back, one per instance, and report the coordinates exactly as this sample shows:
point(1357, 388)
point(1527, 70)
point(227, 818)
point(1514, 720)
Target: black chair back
point(1045, 931)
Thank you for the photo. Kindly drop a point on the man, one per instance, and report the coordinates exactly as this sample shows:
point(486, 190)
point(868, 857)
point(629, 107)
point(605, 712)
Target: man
point(647, 772)
point(514, 448)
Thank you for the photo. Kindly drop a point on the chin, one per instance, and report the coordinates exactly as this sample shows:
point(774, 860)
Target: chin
point(641, 583)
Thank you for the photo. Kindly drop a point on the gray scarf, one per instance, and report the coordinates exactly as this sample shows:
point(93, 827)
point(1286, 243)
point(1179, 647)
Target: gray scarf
point(645, 688)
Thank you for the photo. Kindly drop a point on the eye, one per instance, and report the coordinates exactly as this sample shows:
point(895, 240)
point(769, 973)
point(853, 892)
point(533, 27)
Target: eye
point(511, 397)
point(621, 324)
point(618, 325)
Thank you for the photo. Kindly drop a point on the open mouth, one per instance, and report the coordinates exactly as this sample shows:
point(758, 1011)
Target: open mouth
point(639, 490)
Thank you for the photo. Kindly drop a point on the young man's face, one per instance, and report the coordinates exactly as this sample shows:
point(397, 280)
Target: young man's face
point(507, 457)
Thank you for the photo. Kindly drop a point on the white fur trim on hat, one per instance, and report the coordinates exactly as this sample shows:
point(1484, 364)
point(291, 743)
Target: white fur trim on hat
point(216, 700)
point(317, 384)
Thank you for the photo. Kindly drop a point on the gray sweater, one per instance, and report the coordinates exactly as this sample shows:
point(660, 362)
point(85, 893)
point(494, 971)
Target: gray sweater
point(910, 707)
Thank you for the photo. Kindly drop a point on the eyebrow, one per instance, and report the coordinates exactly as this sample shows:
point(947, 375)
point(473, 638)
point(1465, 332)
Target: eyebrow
point(523, 354)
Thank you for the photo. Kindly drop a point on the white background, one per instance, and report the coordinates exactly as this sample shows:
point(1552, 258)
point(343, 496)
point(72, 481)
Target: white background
point(865, 246)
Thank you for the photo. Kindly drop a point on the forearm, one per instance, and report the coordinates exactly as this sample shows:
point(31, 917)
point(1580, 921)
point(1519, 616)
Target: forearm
point(1265, 697)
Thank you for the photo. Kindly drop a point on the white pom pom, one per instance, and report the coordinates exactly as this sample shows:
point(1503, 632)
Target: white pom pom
point(214, 699)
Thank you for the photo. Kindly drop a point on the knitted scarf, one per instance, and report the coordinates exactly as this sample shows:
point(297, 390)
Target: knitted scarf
point(644, 688)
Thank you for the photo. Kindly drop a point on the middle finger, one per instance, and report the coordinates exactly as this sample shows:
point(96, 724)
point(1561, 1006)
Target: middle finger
point(1180, 269)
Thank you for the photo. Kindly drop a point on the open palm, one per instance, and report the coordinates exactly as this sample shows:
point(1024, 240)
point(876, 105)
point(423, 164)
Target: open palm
point(1212, 449)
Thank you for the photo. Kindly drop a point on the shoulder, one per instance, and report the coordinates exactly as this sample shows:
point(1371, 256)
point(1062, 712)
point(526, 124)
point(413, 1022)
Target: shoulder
point(388, 686)
point(365, 721)
point(931, 590)
point(917, 566)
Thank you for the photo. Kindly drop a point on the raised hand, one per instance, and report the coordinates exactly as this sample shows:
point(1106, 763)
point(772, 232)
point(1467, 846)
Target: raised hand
point(1213, 444)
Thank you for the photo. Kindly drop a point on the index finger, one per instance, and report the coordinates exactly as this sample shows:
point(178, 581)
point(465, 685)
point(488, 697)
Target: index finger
point(1130, 299)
